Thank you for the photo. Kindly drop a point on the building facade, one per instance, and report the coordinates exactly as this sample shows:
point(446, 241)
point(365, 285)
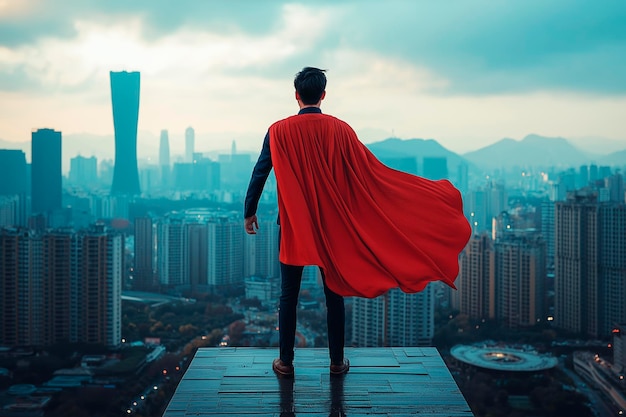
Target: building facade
point(520, 276)
point(60, 286)
point(394, 319)
point(46, 171)
point(190, 139)
point(125, 102)
point(164, 160)
point(476, 287)
point(590, 264)
point(84, 171)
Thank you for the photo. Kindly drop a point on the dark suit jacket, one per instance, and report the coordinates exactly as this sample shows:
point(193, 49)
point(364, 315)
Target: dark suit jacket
point(262, 170)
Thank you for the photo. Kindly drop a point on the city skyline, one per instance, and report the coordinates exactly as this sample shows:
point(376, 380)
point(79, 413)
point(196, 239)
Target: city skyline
point(467, 75)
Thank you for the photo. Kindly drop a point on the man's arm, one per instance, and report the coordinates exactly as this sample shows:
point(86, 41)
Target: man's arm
point(259, 175)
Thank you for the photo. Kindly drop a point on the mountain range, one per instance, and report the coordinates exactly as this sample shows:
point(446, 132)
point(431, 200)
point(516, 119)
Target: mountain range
point(531, 151)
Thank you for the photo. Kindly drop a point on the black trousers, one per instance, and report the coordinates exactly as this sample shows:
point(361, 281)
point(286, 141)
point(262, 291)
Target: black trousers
point(291, 277)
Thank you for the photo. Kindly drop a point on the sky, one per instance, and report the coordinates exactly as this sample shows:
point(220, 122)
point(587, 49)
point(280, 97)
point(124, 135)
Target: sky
point(465, 73)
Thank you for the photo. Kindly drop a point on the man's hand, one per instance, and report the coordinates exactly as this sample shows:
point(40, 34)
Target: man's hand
point(251, 224)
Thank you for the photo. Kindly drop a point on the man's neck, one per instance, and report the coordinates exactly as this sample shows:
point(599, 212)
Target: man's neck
point(304, 106)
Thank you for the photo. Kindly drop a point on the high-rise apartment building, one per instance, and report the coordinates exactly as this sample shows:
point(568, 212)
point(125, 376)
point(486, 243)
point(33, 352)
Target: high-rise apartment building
point(482, 205)
point(394, 319)
point(145, 256)
point(200, 249)
point(462, 178)
point(96, 291)
point(593, 173)
point(13, 166)
point(195, 264)
point(619, 348)
point(235, 169)
point(164, 159)
point(590, 264)
point(476, 287)
point(170, 250)
point(262, 252)
point(46, 171)
point(225, 251)
point(17, 288)
point(615, 185)
point(503, 279)
point(13, 200)
point(583, 176)
point(83, 171)
point(60, 286)
point(520, 276)
point(125, 102)
point(190, 139)
point(9, 210)
point(547, 230)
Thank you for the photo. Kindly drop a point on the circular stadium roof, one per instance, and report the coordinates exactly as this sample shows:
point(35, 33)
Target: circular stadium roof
point(503, 358)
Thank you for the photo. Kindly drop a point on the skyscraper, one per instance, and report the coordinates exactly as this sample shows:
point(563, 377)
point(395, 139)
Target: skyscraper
point(575, 279)
point(170, 250)
point(125, 101)
point(190, 138)
point(590, 264)
point(520, 275)
point(476, 283)
point(484, 204)
point(262, 252)
point(225, 251)
point(13, 166)
point(13, 192)
point(46, 171)
point(83, 171)
point(143, 277)
point(164, 159)
point(60, 286)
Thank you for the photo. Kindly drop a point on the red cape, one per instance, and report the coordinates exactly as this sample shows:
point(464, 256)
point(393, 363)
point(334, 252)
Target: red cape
point(369, 227)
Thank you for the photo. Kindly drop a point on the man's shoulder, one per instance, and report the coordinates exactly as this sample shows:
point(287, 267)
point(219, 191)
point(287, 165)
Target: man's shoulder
point(304, 118)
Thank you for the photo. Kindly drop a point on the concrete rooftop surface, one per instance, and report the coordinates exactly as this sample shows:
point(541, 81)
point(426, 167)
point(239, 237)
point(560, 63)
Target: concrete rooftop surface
point(395, 382)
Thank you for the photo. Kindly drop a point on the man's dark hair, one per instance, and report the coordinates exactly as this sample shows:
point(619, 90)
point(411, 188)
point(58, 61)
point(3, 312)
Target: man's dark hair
point(310, 84)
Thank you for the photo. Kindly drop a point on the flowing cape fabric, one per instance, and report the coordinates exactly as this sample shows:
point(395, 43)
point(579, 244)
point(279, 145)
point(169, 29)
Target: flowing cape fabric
point(369, 227)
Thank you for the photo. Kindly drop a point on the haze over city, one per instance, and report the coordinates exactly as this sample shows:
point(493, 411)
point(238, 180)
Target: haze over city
point(467, 74)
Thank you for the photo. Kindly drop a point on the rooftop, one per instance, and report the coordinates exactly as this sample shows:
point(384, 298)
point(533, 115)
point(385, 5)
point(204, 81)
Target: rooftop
point(381, 382)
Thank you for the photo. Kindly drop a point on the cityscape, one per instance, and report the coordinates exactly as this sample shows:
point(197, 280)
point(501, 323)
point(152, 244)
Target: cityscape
point(123, 251)
point(124, 279)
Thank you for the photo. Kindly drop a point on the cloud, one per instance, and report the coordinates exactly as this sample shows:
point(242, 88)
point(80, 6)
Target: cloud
point(480, 47)
point(486, 47)
point(454, 69)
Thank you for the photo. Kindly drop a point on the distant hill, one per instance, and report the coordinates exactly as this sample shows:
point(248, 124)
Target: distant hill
point(614, 159)
point(533, 150)
point(416, 148)
point(598, 145)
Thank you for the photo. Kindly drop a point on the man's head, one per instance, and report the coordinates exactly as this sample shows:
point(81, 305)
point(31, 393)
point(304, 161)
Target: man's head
point(310, 85)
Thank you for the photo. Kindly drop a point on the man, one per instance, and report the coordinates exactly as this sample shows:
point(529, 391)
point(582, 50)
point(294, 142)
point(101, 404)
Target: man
point(310, 85)
point(368, 227)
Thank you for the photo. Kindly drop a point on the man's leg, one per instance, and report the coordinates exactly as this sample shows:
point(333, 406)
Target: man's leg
point(336, 323)
point(291, 276)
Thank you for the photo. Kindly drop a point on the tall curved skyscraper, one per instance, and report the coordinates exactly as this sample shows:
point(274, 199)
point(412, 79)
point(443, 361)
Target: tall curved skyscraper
point(125, 100)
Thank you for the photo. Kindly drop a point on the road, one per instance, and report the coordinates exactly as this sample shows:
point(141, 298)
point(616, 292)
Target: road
point(599, 404)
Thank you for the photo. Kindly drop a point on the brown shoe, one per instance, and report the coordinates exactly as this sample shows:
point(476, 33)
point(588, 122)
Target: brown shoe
point(281, 368)
point(339, 369)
